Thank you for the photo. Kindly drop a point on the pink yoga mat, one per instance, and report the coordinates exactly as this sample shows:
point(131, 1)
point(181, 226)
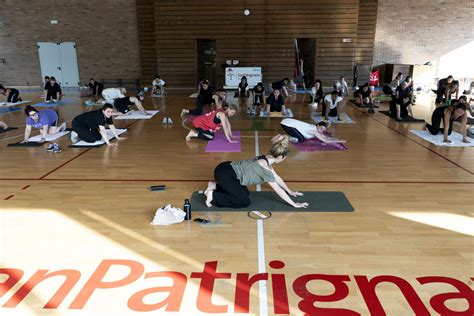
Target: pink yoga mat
point(317, 145)
point(220, 144)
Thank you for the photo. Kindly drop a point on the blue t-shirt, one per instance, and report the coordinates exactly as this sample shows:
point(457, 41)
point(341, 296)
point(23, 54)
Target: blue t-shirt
point(46, 118)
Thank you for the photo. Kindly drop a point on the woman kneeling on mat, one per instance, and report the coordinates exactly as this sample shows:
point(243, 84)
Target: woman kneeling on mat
point(332, 105)
point(448, 114)
point(45, 120)
point(401, 105)
point(122, 105)
point(363, 96)
point(300, 131)
point(207, 124)
point(90, 126)
point(13, 95)
point(232, 177)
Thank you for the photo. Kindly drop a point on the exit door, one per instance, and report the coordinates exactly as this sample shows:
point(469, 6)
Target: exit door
point(307, 50)
point(206, 60)
point(60, 61)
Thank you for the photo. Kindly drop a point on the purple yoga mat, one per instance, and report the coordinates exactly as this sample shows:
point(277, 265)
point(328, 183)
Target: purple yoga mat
point(220, 144)
point(317, 145)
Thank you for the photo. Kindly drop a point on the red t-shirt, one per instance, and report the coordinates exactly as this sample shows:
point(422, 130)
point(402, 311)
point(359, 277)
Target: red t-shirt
point(207, 121)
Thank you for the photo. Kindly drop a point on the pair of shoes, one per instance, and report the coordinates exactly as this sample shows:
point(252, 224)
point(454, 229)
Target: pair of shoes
point(252, 111)
point(74, 137)
point(167, 121)
point(54, 148)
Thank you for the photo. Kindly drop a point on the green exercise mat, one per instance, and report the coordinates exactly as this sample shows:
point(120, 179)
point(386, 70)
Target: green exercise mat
point(270, 201)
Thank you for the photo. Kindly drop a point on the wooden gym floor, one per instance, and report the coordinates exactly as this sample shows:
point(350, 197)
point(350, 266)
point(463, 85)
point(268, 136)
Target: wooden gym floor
point(70, 211)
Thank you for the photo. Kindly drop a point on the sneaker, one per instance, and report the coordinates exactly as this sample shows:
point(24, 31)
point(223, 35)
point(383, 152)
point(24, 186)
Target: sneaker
point(89, 103)
point(74, 137)
point(50, 148)
point(292, 139)
point(170, 121)
point(57, 148)
point(248, 110)
point(252, 111)
point(165, 121)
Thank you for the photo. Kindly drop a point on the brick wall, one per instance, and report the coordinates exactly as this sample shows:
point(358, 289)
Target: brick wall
point(105, 33)
point(415, 32)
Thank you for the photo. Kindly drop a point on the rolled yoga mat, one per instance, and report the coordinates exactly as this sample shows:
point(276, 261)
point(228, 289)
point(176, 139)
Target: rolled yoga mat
point(220, 144)
point(270, 201)
point(406, 119)
point(137, 115)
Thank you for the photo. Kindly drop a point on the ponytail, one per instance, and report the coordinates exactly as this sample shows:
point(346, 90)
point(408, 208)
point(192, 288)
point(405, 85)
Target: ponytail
point(280, 146)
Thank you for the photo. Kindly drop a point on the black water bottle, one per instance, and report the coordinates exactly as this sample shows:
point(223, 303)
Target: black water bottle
point(187, 210)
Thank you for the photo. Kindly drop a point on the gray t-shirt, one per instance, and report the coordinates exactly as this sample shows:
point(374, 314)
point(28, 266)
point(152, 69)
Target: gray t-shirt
point(250, 172)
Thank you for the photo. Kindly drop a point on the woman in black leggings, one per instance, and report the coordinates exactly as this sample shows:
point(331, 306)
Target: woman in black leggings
point(448, 114)
point(13, 95)
point(232, 177)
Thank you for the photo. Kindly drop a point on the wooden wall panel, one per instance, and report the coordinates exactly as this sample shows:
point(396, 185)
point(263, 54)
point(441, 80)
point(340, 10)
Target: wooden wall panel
point(264, 38)
point(366, 36)
point(147, 39)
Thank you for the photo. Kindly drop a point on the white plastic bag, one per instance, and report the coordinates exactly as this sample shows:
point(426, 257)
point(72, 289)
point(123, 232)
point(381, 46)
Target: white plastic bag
point(168, 215)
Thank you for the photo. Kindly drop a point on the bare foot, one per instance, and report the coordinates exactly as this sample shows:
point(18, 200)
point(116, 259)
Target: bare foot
point(424, 127)
point(209, 195)
point(190, 135)
point(211, 186)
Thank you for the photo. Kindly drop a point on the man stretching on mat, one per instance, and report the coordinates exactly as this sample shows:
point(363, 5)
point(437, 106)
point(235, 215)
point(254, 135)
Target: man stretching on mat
point(232, 177)
point(90, 126)
point(207, 124)
point(300, 131)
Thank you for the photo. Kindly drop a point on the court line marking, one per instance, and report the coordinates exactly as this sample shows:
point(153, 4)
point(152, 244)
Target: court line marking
point(415, 141)
point(262, 285)
point(76, 156)
point(9, 197)
point(207, 180)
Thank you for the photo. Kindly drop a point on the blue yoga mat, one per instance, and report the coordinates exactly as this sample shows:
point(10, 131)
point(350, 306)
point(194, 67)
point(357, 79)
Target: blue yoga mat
point(44, 104)
point(8, 110)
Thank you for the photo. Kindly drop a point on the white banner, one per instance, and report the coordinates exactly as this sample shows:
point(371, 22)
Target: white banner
point(234, 74)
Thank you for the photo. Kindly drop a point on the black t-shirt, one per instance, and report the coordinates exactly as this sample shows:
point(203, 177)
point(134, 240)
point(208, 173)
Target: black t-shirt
point(243, 86)
point(95, 85)
point(257, 91)
point(364, 94)
point(275, 104)
point(278, 85)
point(94, 119)
point(403, 94)
point(53, 89)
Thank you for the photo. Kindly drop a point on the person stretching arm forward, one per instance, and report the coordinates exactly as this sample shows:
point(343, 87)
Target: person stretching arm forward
point(299, 131)
point(207, 124)
point(232, 178)
point(90, 126)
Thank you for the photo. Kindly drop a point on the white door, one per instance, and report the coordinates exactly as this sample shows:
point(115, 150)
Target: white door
point(50, 60)
point(60, 61)
point(69, 67)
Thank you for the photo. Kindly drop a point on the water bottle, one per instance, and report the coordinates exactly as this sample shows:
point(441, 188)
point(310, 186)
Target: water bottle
point(187, 210)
